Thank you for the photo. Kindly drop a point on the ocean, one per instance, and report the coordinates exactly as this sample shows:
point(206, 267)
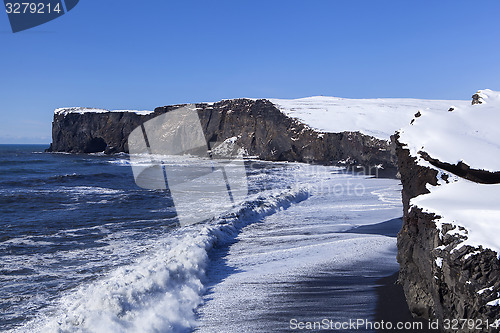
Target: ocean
point(84, 249)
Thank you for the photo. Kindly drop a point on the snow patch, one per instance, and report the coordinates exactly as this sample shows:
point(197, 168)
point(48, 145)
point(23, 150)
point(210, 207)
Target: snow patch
point(468, 255)
point(82, 110)
point(439, 262)
point(494, 303)
point(480, 292)
point(470, 205)
point(229, 147)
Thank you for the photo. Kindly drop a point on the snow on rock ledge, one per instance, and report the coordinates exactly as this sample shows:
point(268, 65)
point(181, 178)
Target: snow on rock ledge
point(448, 247)
point(82, 110)
point(475, 207)
point(469, 135)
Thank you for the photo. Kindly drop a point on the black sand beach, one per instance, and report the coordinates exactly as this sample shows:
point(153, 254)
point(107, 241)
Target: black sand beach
point(327, 295)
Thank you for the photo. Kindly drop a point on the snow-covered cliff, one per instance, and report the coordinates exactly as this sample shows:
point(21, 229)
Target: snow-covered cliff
point(449, 244)
point(320, 129)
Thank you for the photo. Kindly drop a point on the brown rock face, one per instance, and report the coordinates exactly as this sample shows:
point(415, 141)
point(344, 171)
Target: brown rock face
point(450, 291)
point(262, 130)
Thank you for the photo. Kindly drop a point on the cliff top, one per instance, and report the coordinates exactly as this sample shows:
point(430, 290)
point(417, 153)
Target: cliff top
point(380, 117)
point(468, 133)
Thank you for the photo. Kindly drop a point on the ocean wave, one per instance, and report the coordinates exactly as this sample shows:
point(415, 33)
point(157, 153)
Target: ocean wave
point(17, 272)
point(72, 176)
point(25, 162)
point(9, 196)
point(124, 162)
point(56, 179)
point(26, 241)
point(160, 291)
point(88, 190)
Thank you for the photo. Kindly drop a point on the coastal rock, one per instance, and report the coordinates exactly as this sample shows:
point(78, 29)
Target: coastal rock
point(452, 290)
point(256, 126)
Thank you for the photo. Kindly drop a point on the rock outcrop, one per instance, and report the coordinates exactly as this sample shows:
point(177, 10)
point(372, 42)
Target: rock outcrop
point(257, 126)
point(442, 278)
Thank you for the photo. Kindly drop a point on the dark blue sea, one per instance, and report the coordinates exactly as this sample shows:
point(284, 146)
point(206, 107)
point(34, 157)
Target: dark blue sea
point(64, 218)
point(84, 249)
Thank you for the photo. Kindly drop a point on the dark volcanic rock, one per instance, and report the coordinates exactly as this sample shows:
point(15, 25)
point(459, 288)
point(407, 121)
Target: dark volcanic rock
point(261, 129)
point(463, 170)
point(476, 99)
point(450, 291)
point(93, 132)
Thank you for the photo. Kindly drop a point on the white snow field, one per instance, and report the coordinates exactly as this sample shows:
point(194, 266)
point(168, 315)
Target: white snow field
point(379, 117)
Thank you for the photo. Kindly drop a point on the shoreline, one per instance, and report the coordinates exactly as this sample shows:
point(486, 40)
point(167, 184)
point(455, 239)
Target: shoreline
point(331, 292)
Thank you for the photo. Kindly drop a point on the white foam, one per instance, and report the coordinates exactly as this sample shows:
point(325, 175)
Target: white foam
point(87, 190)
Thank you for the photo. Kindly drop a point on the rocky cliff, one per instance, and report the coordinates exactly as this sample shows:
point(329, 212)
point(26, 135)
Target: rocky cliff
point(257, 126)
point(449, 265)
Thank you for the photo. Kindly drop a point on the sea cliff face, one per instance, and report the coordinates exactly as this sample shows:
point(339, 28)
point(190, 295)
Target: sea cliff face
point(452, 290)
point(257, 126)
point(444, 274)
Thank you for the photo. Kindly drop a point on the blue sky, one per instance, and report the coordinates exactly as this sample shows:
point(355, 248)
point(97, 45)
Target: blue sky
point(142, 54)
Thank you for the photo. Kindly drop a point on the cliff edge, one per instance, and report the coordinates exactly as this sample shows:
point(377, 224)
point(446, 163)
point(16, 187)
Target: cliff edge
point(448, 247)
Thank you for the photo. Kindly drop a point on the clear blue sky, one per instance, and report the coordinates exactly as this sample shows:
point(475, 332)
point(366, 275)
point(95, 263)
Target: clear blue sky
point(142, 54)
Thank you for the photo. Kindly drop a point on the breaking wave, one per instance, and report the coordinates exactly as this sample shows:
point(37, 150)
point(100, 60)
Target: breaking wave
point(160, 290)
